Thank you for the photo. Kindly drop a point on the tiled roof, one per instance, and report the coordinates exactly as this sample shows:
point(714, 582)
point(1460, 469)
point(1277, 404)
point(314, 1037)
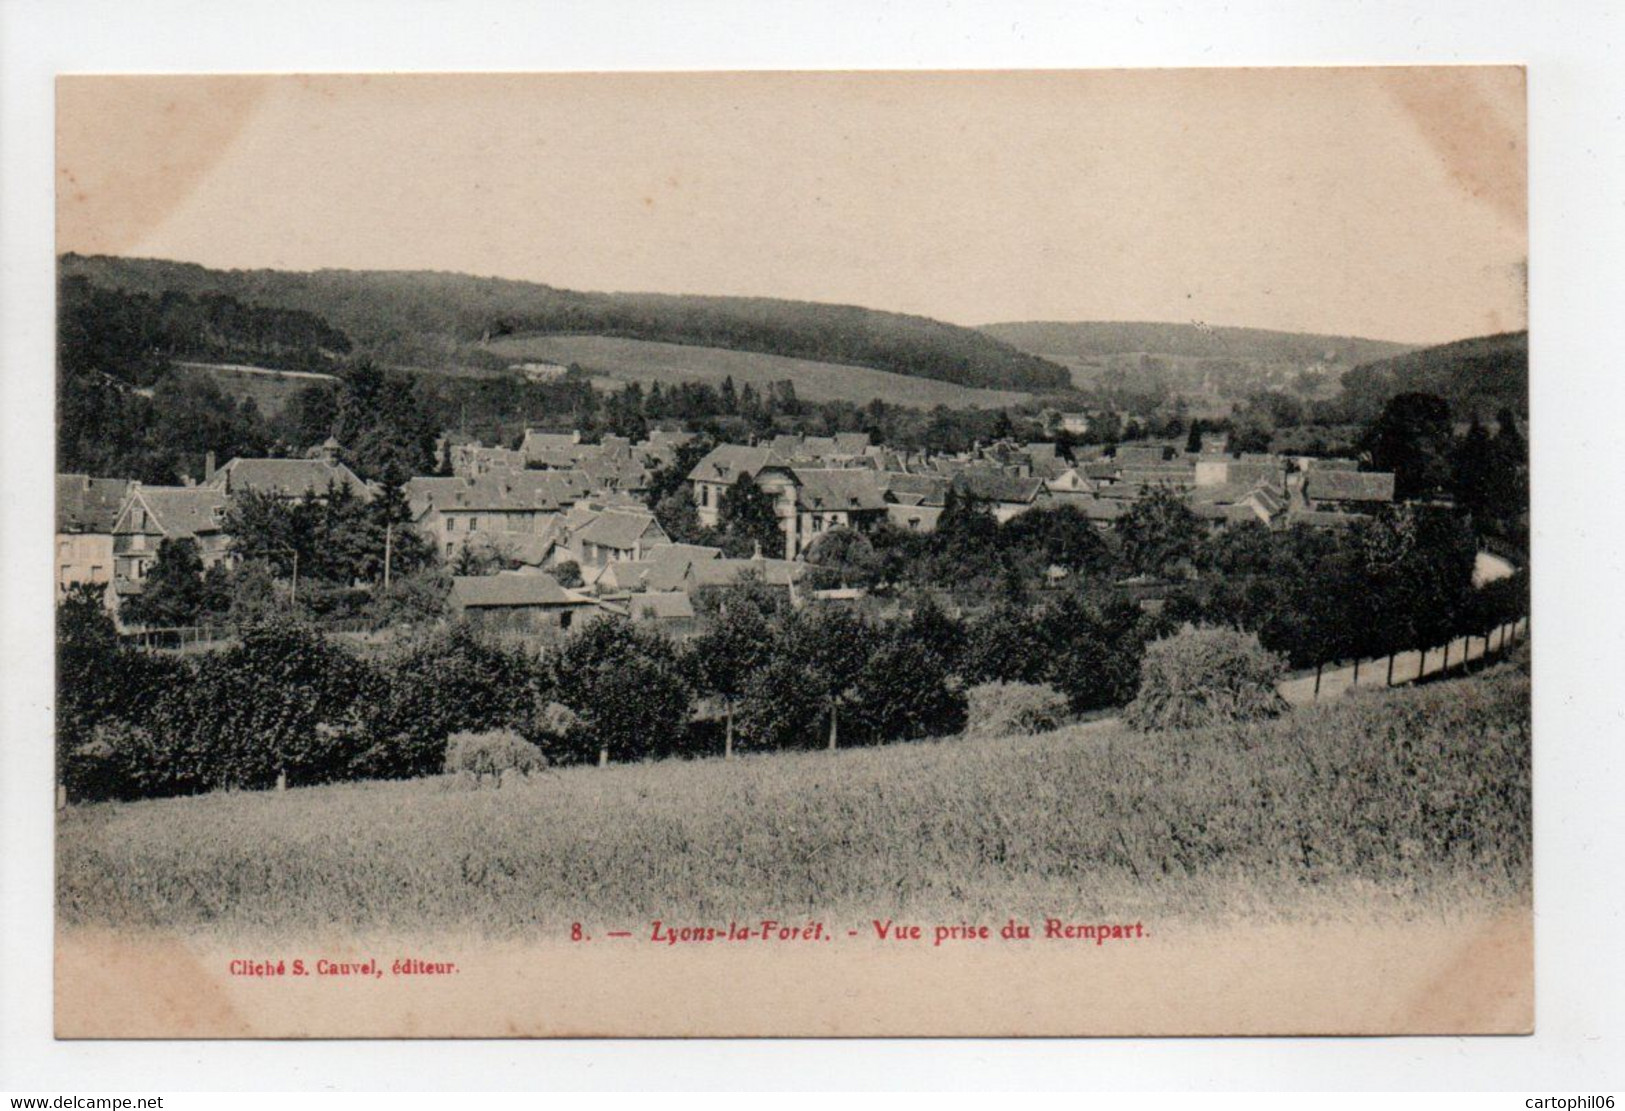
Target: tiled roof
point(498, 492)
point(720, 572)
point(1101, 509)
point(182, 511)
point(673, 605)
point(1367, 486)
point(287, 478)
point(512, 588)
point(669, 552)
point(85, 504)
point(620, 529)
point(529, 548)
point(726, 462)
point(832, 489)
point(915, 489)
point(1134, 455)
point(1147, 475)
point(997, 486)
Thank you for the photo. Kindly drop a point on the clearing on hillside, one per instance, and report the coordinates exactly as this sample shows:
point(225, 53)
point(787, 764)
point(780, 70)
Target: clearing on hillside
point(618, 361)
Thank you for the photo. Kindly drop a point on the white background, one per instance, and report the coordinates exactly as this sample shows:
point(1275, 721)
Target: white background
point(1577, 96)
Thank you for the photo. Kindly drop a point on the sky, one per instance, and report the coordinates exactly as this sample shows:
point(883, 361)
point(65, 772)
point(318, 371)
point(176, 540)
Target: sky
point(1385, 203)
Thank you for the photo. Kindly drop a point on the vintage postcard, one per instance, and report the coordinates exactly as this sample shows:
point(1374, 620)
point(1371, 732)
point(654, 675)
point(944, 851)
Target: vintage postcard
point(793, 554)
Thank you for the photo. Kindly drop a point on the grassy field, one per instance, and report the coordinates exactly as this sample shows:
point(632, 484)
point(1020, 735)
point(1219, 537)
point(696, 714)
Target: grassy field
point(1386, 800)
point(270, 389)
point(630, 360)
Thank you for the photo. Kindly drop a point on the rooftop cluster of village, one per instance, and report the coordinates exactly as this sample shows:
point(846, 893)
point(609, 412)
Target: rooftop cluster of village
point(561, 526)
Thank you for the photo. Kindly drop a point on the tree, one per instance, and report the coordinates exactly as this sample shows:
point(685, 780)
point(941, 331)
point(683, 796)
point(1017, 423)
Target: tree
point(966, 525)
point(283, 704)
point(1472, 480)
point(779, 705)
point(1250, 431)
point(845, 557)
point(905, 691)
point(832, 645)
point(389, 432)
point(411, 599)
point(1413, 438)
point(172, 593)
point(1158, 534)
point(387, 523)
point(568, 574)
point(1003, 645)
point(1193, 442)
point(626, 684)
point(447, 681)
point(749, 520)
point(738, 641)
point(932, 627)
point(668, 479)
point(1062, 536)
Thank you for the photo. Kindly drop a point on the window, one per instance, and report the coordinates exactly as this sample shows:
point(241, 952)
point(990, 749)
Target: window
point(451, 524)
point(450, 547)
point(473, 524)
point(564, 619)
point(95, 572)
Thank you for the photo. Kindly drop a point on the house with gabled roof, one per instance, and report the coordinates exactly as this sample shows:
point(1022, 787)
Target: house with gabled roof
point(525, 600)
point(827, 498)
point(616, 535)
point(1347, 491)
point(152, 514)
point(289, 478)
point(514, 509)
point(86, 510)
point(1008, 495)
point(1139, 454)
point(722, 466)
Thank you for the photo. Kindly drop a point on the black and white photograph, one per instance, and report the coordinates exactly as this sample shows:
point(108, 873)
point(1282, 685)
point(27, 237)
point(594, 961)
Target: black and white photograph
point(762, 554)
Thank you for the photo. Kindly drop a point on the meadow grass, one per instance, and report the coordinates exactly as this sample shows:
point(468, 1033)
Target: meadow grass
point(647, 361)
point(1381, 800)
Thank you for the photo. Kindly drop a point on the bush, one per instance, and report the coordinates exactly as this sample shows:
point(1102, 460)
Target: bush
point(449, 680)
point(1206, 676)
point(100, 767)
point(285, 700)
point(1000, 709)
point(492, 753)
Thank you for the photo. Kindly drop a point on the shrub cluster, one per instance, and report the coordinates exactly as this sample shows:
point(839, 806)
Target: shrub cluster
point(1206, 676)
point(1001, 709)
point(492, 753)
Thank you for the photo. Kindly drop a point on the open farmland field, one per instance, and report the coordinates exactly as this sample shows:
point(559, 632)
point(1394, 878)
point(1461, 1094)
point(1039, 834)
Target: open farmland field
point(628, 360)
point(270, 389)
point(1383, 800)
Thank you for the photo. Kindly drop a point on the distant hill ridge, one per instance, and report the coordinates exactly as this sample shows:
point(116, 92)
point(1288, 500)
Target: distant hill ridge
point(437, 320)
point(1480, 375)
point(1098, 339)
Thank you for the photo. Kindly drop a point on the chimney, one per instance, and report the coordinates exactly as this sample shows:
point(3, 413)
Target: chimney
point(208, 467)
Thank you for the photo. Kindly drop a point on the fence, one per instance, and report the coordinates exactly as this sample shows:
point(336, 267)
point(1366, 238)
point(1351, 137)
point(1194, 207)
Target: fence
point(198, 637)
